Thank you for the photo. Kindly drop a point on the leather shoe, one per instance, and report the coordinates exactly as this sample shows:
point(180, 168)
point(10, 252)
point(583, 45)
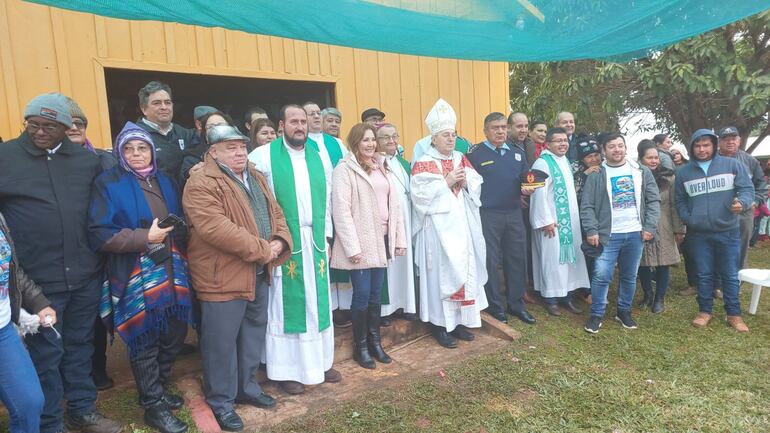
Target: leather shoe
point(462, 333)
point(262, 400)
point(527, 298)
point(160, 418)
point(737, 323)
point(410, 316)
point(443, 338)
point(569, 306)
point(172, 401)
point(701, 320)
point(500, 317)
point(229, 421)
point(553, 309)
point(386, 321)
point(524, 316)
point(291, 387)
point(93, 422)
point(332, 376)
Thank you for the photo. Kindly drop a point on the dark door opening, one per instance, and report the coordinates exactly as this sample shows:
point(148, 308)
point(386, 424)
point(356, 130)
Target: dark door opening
point(232, 95)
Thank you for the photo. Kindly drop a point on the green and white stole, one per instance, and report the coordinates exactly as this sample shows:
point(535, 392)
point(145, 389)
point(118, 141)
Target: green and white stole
point(563, 217)
point(294, 319)
point(332, 147)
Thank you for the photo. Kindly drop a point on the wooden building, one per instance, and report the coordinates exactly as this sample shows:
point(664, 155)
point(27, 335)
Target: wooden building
point(102, 62)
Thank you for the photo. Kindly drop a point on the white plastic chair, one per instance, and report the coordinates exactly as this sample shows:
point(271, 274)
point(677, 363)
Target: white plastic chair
point(758, 278)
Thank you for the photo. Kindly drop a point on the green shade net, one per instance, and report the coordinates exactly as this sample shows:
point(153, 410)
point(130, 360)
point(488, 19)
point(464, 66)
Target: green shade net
point(498, 30)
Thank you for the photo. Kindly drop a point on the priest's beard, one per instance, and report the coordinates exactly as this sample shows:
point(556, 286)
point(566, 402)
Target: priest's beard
point(295, 141)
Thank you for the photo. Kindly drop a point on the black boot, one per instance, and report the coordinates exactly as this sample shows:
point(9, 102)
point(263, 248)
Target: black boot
point(657, 305)
point(374, 342)
point(160, 418)
point(646, 301)
point(443, 337)
point(360, 351)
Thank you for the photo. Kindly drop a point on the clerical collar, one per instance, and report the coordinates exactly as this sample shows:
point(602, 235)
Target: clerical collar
point(55, 149)
point(157, 127)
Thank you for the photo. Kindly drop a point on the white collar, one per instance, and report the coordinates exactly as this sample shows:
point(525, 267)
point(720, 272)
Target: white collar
point(54, 150)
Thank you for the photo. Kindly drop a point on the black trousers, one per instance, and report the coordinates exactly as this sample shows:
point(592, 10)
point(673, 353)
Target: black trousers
point(505, 237)
point(152, 367)
point(99, 358)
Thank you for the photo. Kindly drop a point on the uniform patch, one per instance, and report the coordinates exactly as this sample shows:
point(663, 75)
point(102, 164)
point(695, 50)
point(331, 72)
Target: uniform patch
point(485, 163)
point(705, 185)
point(518, 157)
point(181, 143)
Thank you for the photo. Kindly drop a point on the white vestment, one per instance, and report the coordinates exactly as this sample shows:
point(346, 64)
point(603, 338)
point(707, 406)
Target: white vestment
point(449, 247)
point(299, 357)
point(401, 269)
point(341, 293)
point(551, 278)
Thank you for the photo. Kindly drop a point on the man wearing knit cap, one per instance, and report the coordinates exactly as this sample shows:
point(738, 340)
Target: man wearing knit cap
point(198, 113)
point(45, 188)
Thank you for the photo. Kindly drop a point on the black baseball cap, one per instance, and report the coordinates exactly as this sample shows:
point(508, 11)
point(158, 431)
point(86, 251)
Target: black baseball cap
point(728, 131)
point(369, 112)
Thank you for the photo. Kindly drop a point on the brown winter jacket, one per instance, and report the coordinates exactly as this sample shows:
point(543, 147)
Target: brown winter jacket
point(22, 291)
point(225, 251)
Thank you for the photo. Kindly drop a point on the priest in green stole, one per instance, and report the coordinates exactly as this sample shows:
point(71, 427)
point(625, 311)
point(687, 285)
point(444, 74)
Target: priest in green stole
point(332, 149)
point(299, 345)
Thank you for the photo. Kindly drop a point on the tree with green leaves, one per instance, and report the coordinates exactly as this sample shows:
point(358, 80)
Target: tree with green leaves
point(713, 80)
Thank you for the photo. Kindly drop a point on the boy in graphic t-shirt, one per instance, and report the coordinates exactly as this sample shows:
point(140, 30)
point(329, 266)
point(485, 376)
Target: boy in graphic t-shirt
point(619, 211)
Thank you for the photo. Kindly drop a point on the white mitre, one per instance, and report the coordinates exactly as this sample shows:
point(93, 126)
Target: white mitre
point(441, 117)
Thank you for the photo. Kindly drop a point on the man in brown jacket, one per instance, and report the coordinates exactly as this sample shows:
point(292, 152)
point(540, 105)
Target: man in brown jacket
point(237, 235)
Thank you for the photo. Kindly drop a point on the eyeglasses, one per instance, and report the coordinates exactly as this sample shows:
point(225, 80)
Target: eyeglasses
point(79, 124)
point(387, 138)
point(48, 128)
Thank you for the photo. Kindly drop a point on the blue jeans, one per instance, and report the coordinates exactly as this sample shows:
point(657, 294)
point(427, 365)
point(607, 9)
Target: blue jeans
point(710, 254)
point(19, 387)
point(625, 250)
point(367, 287)
point(64, 364)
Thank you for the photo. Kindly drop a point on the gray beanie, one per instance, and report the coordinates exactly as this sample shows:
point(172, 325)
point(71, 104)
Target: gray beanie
point(53, 106)
point(203, 110)
point(75, 110)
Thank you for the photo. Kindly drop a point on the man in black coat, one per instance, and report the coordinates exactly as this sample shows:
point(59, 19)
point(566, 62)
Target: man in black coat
point(45, 189)
point(170, 139)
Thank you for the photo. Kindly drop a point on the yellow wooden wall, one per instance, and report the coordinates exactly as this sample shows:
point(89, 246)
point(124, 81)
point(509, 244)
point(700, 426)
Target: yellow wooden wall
point(45, 49)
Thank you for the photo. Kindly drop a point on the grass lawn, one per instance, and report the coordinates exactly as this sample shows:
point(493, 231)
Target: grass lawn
point(664, 377)
point(667, 376)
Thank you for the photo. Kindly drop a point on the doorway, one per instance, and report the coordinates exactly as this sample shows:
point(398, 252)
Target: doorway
point(231, 95)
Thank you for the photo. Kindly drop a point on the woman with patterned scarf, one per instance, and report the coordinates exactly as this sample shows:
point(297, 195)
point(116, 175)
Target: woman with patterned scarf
point(146, 298)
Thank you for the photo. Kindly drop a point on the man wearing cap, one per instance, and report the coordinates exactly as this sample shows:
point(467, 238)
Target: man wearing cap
point(372, 116)
point(449, 247)
point(198, 113)
point(501, 166)
point(238, 235)
point(45, 188)
point(332, 119)
point(170, 139)
point(589, 161)
point(711, 192)
point(730, 146)
point(300, 335)
point(558, 263)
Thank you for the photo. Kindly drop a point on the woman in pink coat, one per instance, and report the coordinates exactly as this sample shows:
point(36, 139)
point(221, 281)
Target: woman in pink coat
point(368, 230)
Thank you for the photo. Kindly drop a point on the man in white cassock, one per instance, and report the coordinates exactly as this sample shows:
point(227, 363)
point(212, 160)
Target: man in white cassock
point(399, 281)
point(299, 345)
point(449, 247)
point(558, 263)
point(331, 150)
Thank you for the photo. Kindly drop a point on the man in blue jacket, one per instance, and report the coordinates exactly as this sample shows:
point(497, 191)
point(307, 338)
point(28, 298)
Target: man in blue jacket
point(711, 192)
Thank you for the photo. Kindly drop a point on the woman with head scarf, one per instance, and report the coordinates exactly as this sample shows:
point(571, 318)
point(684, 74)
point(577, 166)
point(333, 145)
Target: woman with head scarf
point(146, 298)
